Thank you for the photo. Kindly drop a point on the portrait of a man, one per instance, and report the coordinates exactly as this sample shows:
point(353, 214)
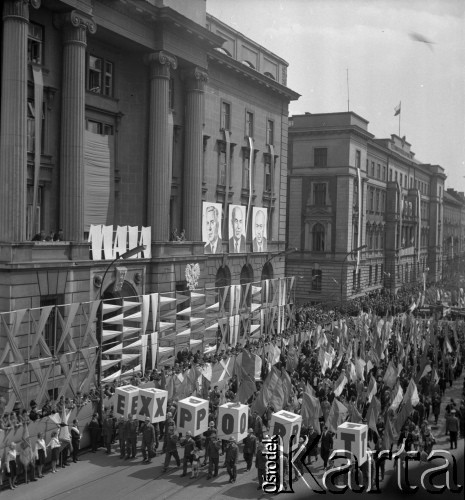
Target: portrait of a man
point(212, 235)
point(259, 243)
point(237, 229)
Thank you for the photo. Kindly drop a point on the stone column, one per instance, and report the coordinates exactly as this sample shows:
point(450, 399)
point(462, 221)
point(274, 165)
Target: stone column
point(192, 203)
point(72, 189)
point(159, 168)
point(13, 121)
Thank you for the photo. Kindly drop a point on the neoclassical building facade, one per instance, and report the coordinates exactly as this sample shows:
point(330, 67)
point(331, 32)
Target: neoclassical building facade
point(121, 120)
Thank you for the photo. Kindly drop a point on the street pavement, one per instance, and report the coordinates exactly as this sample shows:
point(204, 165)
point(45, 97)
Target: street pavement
point(101, 477)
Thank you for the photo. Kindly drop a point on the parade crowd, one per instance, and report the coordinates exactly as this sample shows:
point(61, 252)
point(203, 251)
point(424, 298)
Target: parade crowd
point(378, 360)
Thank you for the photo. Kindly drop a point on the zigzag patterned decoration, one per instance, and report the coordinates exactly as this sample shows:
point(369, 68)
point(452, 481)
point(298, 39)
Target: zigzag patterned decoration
point(136, 331)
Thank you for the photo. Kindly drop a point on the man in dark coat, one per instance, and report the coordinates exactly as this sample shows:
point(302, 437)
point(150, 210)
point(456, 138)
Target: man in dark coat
point(95, 432)
point(208, 436)
point(260, 464)
point(213, 452)
point(189, 447)
point(232, 453)
point(122, 436)
point(75, 439)
point(326, 445)
point(108, 429)
point(148, 440)
point(171, 449)
point(250, 446)
point(312, 436)
point(132, 426)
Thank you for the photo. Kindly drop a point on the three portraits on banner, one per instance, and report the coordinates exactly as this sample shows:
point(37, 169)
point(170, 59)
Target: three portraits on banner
point(237, 222)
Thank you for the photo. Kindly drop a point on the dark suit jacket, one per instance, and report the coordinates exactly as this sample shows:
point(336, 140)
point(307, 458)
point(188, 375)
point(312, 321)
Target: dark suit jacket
point(255, 245)
point(326, 442)
point(219, 247)
point(232, 248)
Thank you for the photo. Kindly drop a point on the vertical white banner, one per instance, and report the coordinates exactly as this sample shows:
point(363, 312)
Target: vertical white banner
point(38, 103)
point(359, 239)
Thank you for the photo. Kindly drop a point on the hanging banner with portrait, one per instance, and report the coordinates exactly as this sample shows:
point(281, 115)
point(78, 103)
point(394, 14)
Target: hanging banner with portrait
point(211, 227)
point(259, 229)
point(237, 221)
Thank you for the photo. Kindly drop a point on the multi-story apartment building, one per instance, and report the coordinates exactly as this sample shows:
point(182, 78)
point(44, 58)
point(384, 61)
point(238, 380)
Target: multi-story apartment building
point(454, 232)
point(363, 212)
point(121, 120)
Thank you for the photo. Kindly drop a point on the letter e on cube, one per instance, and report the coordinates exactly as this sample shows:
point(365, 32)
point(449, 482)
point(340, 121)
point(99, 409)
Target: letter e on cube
point(127, 399)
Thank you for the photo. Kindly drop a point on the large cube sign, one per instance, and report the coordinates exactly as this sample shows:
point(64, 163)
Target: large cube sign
point(352, 437)
point(193, 415)
point(127, 400)
point(152, 404)
point(286, 424)
point(232, 421)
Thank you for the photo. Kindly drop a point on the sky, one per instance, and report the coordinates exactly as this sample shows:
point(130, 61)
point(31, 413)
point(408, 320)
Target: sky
point(391, 51)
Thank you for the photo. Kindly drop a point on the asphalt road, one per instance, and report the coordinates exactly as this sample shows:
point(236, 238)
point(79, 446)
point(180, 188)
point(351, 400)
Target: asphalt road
point(101, 477)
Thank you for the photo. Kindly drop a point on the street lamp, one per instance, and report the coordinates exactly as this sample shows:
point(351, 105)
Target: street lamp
point(344, 261)
point(124, 256)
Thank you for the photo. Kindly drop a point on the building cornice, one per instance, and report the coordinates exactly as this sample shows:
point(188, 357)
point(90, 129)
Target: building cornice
point(252, 75)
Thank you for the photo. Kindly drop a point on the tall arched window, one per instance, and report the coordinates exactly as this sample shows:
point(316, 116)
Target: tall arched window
point(318, 234)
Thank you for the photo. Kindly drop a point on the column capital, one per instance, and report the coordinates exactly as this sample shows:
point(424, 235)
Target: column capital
point(160, 63)
point(19, 8)
point(196, 78)
point(75, 25)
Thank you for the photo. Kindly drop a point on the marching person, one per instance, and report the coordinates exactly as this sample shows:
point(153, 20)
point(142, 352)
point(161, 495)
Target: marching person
point(189, 447)
point(232, 453)
point(326, 445)
point(213, 453)
point(108, 430)
point(452, 427)
point(131, 437)
point(260, 464)
point(250, 447)
point(208, 435)
point(148, 440)
point(171, 448)
point(122, 437)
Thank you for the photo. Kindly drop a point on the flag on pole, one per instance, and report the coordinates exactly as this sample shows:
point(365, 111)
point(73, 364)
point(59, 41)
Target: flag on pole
point(397, 109)
point(372, 388)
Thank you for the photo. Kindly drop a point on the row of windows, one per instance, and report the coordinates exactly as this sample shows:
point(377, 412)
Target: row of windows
point(376, 200)
point(225, 123)
point(377, 171)
point(268, 163)
point(374, 238)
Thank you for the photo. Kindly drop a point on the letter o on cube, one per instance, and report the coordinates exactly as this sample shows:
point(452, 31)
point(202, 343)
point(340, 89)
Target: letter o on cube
point(286, 424)
point(232, 421)
point(127, 400)
point(152, 404)
point(192, 415)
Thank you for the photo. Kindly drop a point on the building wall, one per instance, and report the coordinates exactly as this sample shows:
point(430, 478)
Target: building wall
point(392, 254)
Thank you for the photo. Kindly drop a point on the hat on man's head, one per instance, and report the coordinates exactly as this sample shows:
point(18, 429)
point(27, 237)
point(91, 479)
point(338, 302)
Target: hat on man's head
point(232, 438)
point(250, 430)
point(147, 419)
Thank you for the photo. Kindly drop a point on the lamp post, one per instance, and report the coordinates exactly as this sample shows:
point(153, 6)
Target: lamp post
point(344, 261)
point(124, 256)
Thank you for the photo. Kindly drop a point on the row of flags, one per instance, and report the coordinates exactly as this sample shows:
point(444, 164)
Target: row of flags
point(362, 351)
